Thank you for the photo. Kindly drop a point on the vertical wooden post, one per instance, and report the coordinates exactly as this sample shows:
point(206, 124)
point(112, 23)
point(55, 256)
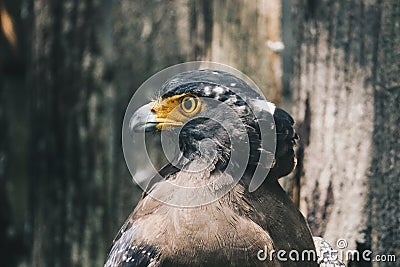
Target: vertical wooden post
point(346, 101)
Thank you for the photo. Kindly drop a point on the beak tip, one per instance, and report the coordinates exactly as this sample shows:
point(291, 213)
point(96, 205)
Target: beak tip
point(143, 120)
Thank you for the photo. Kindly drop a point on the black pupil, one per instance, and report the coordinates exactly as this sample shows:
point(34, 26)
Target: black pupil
point(188, 104)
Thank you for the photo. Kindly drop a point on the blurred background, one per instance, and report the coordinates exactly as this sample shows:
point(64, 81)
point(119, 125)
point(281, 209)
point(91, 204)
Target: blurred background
point(68, 69)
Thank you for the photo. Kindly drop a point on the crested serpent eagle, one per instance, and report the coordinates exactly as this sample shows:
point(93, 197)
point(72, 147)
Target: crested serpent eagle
point(233, 228)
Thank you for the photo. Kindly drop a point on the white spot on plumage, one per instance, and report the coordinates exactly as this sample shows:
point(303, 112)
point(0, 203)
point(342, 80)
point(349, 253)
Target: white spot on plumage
point(231, 100)
point(207, 90)
point(271, 107)
point(241, 108)
point(233, 84)
point(263, 105)
point(219, 90)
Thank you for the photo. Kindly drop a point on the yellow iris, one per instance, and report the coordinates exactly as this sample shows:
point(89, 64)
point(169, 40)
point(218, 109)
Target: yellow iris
point(190, 105)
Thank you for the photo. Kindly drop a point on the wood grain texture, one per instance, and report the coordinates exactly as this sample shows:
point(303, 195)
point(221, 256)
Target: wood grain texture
point(241, 31)
point(345, 91)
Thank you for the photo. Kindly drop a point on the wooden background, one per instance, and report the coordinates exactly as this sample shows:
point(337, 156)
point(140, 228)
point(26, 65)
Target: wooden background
point(68, 69)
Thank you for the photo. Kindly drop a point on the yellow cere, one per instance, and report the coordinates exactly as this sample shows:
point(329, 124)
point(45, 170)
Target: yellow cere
point(176, 110)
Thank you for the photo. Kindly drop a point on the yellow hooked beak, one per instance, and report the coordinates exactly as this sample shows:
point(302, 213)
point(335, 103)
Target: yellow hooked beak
point(145, 119)
point(165, 113)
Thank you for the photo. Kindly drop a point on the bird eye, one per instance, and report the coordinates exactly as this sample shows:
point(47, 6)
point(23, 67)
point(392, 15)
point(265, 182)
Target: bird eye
point(189, 104)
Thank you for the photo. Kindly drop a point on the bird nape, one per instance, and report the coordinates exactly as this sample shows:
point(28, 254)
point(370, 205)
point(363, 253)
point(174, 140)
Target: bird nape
point(198, 211)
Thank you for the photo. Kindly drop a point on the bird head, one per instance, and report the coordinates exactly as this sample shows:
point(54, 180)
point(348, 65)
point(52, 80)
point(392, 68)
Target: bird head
point(214, 114)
